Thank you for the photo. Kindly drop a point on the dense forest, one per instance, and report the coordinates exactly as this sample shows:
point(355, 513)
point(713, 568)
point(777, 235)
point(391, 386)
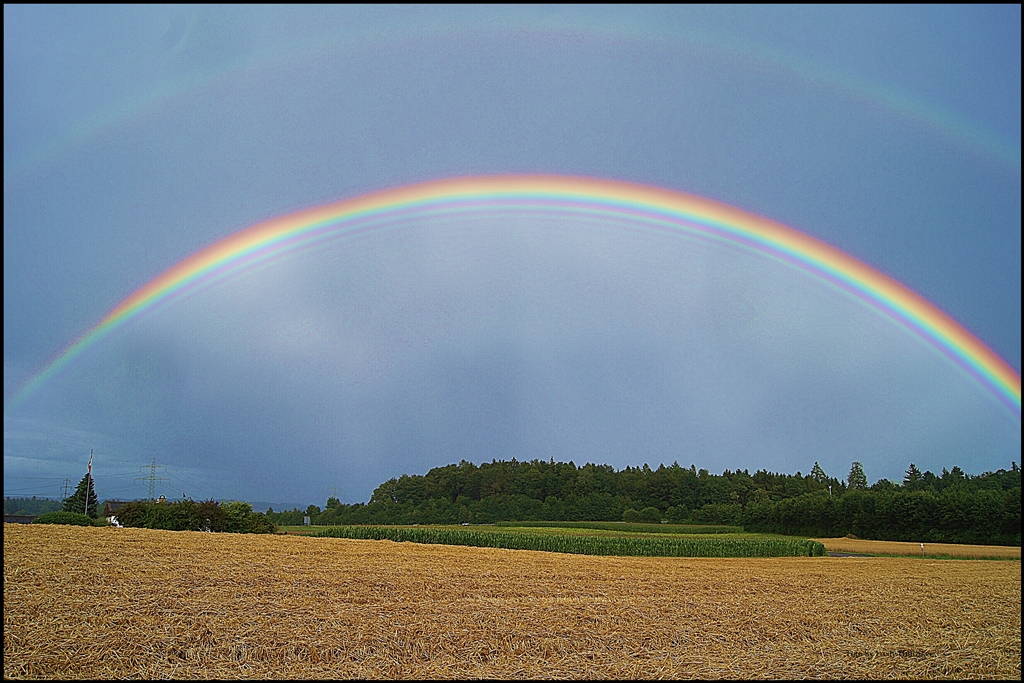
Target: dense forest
point(951, 507)
point(30, 506)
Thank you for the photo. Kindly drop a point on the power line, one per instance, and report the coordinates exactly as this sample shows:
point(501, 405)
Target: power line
point(29, 491)
point(192, 485)
point(118, 476)
point(113, 485)
point(152, 478)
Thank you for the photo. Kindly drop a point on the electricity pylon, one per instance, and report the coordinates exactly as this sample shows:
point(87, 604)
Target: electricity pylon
point(152, 478)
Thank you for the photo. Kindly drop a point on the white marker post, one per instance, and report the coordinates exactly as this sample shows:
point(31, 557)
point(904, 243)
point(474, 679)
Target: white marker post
point(922, 550)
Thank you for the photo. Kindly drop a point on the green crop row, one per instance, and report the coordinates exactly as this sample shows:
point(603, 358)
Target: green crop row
point(635, 527)
point(586, 545)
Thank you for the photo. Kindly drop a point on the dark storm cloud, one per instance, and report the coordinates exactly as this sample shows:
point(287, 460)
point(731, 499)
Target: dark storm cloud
point(490, 338)
point(494, 338)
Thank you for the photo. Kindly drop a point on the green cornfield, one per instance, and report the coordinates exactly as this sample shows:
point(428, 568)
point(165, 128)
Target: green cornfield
point(635, 527)
point(587, 545)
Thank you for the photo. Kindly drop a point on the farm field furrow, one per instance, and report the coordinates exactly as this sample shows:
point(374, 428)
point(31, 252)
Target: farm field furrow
point(84, 602)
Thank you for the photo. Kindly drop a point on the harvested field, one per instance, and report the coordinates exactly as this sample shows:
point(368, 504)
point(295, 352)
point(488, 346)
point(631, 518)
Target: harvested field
point(83, 602)
point(853, 545)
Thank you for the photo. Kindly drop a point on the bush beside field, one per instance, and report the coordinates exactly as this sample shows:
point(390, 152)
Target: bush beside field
point(61, 517)
point(186, 515)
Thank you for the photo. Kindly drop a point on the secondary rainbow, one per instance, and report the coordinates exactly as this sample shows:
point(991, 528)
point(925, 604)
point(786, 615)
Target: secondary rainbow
point(663, 209)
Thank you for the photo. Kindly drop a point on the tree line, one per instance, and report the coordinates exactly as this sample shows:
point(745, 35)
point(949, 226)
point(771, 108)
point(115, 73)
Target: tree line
point(951, 507)
point(82, 507)
point(83, 501)
point(187, 515)
point(30, 506)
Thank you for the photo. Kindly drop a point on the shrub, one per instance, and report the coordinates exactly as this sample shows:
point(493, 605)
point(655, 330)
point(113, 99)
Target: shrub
point(161, 516)
point(677, 513)
point(259, 523)
point(630, 515)
point(237, 515)
point(187, 515)
point(133, 513)
point(651, 515)
point(719, 513)
point(61, 517)
point(211, 516)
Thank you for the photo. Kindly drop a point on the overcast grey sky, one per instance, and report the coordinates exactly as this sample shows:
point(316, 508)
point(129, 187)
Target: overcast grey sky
point(134, 136)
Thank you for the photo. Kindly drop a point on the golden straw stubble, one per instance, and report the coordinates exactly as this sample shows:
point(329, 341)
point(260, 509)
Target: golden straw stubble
point(83, 602)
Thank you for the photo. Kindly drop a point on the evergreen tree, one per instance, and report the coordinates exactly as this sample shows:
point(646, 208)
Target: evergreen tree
point(77, 501)
point(912, 478)
point(857, 480)
point(818, 474)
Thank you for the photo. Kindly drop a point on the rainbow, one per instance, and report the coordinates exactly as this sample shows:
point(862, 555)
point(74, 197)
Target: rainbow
point(666, 209)
point(334, 45)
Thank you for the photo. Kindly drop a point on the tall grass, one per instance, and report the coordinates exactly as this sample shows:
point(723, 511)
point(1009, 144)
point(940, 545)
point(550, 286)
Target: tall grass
point(586, 545)
point(635, 527)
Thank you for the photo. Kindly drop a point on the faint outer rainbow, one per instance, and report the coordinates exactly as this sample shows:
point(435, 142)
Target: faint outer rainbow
point(665, 209)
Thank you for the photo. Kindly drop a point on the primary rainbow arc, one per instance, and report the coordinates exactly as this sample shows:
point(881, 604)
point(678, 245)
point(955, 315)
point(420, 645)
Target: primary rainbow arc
point(666, 208)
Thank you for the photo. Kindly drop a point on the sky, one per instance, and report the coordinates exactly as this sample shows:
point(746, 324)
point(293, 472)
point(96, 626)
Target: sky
point(135, 136)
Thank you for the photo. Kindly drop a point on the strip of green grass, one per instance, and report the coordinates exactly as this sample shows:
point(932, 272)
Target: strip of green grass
point(634, 527)
point(585, 544)
point(555, 531)
point(937, 556)
point(586, 531)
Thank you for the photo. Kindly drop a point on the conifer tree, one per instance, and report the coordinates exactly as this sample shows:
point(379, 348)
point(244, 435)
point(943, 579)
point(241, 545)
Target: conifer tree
point(857, 480)
point(77, 501)
point(912, 478)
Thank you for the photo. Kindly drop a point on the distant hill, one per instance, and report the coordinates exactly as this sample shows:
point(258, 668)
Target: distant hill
point(30, 506)
point(262, 506)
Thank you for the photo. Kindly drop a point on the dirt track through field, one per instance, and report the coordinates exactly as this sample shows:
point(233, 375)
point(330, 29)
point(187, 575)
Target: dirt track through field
point(104, 603)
